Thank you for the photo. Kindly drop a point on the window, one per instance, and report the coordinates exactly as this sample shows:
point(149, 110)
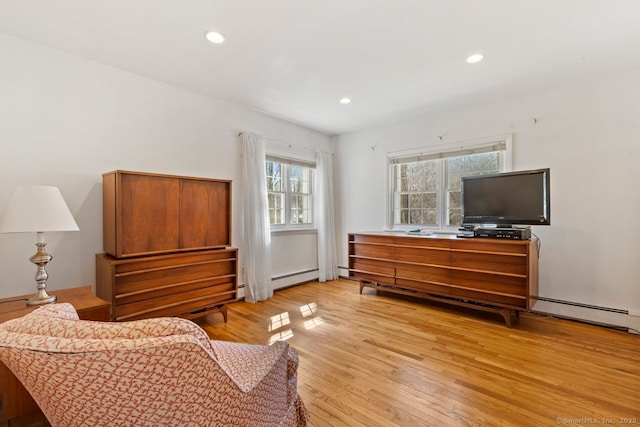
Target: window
point(289, 196)
point(425, 187)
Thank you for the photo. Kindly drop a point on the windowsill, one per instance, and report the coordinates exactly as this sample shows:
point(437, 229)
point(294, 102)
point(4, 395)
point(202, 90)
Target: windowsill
point(291, 231)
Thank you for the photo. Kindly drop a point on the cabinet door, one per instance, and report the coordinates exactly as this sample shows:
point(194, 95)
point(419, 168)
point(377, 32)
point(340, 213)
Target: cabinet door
point(205, 208)
point(149, 214)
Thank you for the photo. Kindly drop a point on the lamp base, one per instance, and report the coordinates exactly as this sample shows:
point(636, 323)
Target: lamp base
point(41, 297)
point(41, 258)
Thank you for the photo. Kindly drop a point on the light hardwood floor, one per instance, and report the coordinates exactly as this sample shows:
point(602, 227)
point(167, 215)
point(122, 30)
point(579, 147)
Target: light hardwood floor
point(384, 360)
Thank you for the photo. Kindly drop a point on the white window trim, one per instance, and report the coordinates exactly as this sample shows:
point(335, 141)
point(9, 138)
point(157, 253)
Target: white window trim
point(430, 151)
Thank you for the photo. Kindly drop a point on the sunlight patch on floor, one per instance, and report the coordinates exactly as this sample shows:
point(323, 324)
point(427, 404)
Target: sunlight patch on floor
point(281, 336)
point(312, 323)
point(309, 309)
point(278, 321)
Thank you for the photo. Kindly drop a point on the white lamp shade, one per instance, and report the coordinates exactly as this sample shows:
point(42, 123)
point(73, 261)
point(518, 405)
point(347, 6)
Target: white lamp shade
point(37, 208)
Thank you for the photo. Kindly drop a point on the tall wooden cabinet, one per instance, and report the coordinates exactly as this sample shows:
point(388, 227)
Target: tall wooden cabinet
point(485, 274)
point(167, 246)
point(146, 214)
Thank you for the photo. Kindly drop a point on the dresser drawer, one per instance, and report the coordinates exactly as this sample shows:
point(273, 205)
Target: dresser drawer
point(176, 304)
point(501, 263)
point(168, 277)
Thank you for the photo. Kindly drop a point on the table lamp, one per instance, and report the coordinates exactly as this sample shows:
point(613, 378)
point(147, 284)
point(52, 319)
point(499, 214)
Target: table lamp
point(37, 209)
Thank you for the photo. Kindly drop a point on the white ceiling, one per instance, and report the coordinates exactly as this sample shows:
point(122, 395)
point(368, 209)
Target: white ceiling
point(295, 58)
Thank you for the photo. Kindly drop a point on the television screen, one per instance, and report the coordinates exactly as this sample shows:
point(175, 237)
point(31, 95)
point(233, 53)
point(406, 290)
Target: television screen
point(507, 199)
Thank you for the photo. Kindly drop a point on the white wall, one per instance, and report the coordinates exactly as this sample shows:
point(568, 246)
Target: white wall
point(297, 266)
point(65, 120)
point(587, 132)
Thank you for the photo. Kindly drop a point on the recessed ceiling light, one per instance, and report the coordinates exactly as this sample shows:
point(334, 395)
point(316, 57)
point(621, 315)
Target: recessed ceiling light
point(345, 100)
point(214, 37)
point(476, 57)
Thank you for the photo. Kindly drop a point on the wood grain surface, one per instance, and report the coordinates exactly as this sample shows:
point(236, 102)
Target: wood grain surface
point(389, 360)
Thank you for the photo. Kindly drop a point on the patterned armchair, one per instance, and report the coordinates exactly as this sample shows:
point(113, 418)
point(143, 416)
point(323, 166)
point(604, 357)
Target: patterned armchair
point(154, 372)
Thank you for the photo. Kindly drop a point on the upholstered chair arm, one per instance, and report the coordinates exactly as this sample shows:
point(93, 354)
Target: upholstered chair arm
point(247, 364)
point(62, 311)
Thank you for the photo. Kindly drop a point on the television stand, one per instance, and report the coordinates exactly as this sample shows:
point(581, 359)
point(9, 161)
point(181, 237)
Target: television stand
point(494, 275)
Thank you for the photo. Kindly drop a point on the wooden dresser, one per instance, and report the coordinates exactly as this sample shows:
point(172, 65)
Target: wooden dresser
point(493, 275)
point(167, 246)
point(17, 406)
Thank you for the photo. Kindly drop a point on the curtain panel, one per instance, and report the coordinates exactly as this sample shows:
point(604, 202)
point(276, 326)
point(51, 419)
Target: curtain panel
point(325, 218)
point(256, 236)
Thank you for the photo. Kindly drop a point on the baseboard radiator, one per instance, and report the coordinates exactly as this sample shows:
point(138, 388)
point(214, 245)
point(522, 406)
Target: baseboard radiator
point(291, 279)
point(602, 316)
point(286, 280)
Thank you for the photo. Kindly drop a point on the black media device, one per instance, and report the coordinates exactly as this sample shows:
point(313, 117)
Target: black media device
point(507, 199)
point(503, 233)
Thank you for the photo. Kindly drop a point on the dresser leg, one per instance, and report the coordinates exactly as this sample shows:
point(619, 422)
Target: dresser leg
point(506, 314)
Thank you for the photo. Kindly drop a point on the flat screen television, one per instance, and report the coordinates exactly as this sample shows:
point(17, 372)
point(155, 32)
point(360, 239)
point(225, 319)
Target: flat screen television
point(507, 199)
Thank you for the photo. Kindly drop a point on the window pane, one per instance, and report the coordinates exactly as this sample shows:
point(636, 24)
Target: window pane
point(298, 179)
point(300, 216)
point(415, 200)
point(404, 184)
point(274, 176)
point(454, 181)
point(431, 183)
point(306, 180)
point(454, 199)
point(430, 217)
point(415, 216)
point(404, 200)
point(404, 216)
point(455, 165)
point(295, 172)
point(301, 210)
point(274, 184)
point(275, 202)
point(430, 200)
point(455, 217)
point(431, 166)
point(413, 183)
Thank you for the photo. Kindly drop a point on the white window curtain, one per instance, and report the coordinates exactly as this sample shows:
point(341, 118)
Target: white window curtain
point(325, 218)
point(256, 237)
